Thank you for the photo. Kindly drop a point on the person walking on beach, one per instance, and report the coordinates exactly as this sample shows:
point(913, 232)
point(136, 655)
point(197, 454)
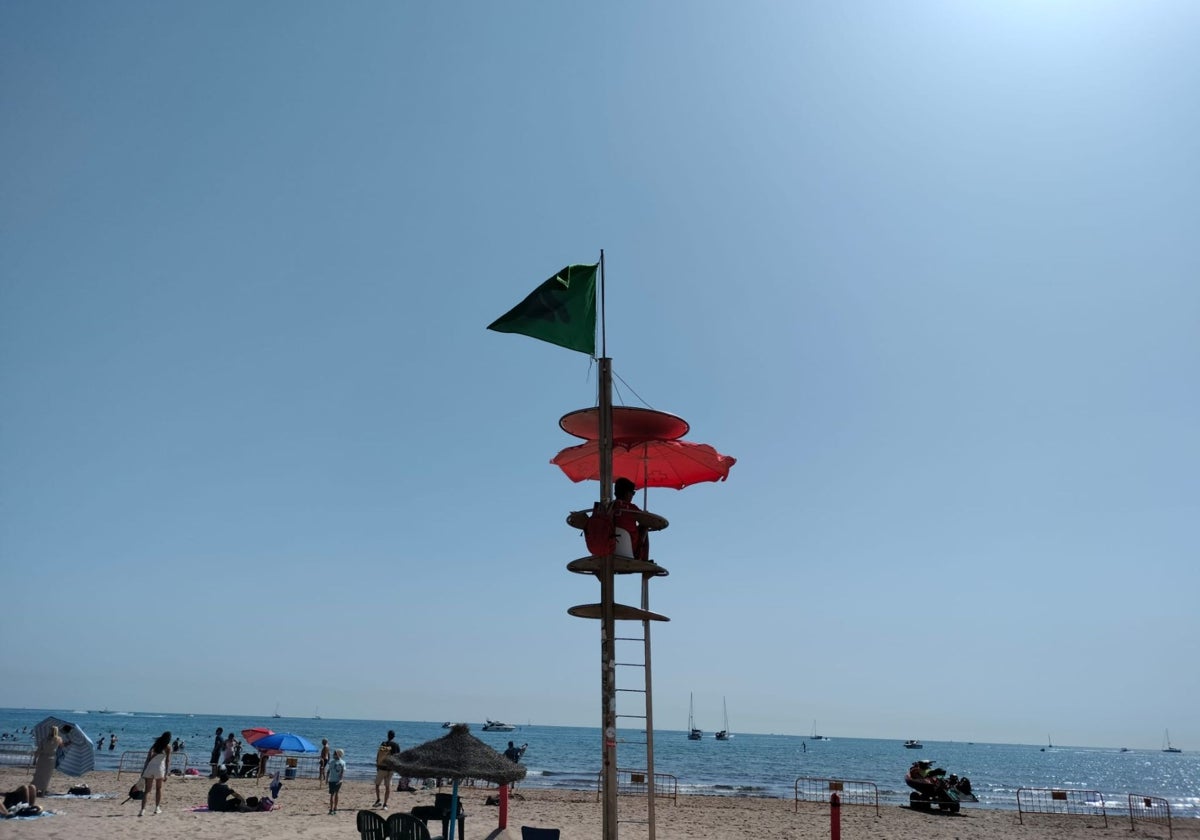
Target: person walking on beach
point(337, 769)
point(47, 754)
point(383, 774)
point(324, 765)
point(218, 745)
point(158, 765)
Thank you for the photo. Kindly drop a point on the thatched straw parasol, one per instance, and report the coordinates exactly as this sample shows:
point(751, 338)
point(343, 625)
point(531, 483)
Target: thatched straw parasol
point(457, 755)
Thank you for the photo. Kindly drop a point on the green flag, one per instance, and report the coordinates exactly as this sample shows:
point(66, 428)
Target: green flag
point(562, 311)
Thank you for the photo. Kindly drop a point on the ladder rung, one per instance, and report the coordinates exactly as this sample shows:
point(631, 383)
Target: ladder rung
point(633, 690)
point(631, 664)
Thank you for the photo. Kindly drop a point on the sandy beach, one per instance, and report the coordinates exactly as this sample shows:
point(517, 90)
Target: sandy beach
point(303, 813)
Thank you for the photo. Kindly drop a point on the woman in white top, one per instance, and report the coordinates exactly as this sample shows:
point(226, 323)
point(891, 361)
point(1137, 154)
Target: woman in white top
point(158, 765)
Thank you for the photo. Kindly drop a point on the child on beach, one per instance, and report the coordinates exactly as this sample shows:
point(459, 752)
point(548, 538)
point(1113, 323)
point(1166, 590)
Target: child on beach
point(337, 769)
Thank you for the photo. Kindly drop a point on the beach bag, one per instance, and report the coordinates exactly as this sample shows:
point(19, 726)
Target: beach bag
point(136, 791)
point(599, 535)
point(382, 753)
point(80, 790)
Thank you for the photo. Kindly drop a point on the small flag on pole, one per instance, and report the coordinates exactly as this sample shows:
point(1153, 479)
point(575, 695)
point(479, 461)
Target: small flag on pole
point(561, 311)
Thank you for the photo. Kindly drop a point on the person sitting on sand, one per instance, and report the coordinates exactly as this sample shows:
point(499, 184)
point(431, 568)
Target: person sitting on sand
point(221, 797)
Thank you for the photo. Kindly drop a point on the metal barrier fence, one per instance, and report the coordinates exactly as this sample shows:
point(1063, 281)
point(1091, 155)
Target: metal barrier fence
point(849, 791)
point(300, 766)
point(1149, 809)
point(16, 755)
point(636, 783)
point(1072, 802)
point(135, 760)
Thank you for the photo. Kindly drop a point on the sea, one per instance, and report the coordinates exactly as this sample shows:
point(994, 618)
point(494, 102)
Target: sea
point(749, 765)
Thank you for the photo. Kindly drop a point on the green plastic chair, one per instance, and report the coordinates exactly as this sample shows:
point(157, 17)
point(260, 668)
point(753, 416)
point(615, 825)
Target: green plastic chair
point(371, 826)
point(406, 827)
point(528, 832)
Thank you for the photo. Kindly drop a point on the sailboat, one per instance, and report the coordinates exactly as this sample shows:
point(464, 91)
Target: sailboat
point(725, 734)
point(814, 736)
point(1167, 743)
point(694, 734)
point(317, 713)
point(276, 715)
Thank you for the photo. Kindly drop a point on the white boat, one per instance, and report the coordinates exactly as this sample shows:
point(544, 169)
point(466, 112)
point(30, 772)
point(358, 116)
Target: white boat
point(814, 736)
point(1167, 743)
point(725, 734)
point(497, 726)
point(913, 745)
point(694, 734)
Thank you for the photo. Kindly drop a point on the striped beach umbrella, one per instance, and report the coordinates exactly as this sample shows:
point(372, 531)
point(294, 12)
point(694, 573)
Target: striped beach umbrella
point(79, 752)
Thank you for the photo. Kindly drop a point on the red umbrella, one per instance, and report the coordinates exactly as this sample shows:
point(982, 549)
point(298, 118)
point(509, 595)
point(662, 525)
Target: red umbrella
point(252, 735)
point(257, 733)
point(651, 463)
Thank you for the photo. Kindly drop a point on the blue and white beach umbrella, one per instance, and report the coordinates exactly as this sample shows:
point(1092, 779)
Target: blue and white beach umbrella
point(79, 751)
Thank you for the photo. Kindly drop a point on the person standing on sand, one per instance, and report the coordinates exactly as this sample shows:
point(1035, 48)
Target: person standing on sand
point(228, 751)
point(383, 774)
point(218, 744)
point(322, 775)
point(47, 753)
point(158, 765)
point(337, 769)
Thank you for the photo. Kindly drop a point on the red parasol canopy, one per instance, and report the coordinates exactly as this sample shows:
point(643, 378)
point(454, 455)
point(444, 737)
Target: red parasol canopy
point(651, 463)
point(257, 733)
point(252, 735)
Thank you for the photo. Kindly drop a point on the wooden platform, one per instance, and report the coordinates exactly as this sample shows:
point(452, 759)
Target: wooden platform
point(621, 612)
point(621, 566)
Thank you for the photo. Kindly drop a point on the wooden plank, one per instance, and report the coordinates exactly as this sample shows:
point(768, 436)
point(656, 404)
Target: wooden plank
point(621, 612)
point(621, 566)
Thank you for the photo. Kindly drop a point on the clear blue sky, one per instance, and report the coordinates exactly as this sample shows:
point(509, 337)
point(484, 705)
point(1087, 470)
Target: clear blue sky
point(927, 269)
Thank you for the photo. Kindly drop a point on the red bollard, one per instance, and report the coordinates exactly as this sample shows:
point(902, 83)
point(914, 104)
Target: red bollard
point(503, 806)
point(835, 817)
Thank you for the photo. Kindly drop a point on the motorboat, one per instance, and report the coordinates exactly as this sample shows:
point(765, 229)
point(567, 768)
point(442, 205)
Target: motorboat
point(913, 745)
point(497, 726)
